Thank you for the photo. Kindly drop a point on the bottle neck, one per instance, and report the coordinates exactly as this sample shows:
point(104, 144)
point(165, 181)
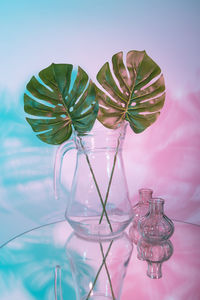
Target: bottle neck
point(154, 270)
point(145, 195)
point(156, 206)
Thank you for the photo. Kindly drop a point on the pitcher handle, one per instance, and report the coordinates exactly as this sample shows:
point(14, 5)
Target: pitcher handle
point(60, 153)
point(57, 283)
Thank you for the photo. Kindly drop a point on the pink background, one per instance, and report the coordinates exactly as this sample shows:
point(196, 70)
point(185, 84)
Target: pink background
point(87, 33)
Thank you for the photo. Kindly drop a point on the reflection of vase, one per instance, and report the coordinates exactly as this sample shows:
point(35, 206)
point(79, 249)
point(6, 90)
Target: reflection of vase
point(140, 210)
point(99, 205)
point(98, 267)
point(155, 255)
point(156, 226)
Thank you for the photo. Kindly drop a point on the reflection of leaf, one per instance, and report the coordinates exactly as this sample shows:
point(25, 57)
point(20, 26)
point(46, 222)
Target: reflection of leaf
point(61, 107)
point(137, 94)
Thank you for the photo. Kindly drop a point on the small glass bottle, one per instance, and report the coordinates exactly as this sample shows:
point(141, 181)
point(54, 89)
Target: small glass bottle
point(156, 226)
point(140, 210)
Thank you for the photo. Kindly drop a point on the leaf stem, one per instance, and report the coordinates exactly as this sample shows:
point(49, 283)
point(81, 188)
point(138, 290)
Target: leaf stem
point(110, 180)
point(97, 275)
point(97, 187)
point(107, 271)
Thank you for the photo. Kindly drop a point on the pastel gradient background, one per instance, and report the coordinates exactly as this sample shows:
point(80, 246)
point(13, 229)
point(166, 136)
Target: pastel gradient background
point(166, 157)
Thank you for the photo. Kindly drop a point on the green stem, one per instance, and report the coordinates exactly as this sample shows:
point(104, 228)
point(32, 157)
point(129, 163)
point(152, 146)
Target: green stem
point(107, 271)
point(98, 190)
point(97, 275)
point(110, 181)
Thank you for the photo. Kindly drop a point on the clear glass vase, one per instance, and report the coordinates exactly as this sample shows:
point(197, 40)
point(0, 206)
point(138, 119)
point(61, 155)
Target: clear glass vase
point(99, 204)
point(98, 267)
point(140, 210)
point(156, 226)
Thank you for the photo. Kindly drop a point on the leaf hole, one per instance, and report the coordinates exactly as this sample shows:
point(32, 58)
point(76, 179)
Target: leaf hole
point(133, 104)
point(103, 106)
point(125, 75)
point(150, 82)
point(86, 109)
point(152, 101)
point(73, 78)
point(44, 84)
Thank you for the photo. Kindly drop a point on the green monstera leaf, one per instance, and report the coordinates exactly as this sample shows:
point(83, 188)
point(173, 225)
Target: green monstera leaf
point(136, 94)
point(56, 107)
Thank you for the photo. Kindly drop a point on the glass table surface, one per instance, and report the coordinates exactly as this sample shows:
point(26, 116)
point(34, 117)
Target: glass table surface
point(28, 263)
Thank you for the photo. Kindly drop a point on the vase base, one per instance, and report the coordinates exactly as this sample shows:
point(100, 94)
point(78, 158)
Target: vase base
point(98, 296)
point(91, 229)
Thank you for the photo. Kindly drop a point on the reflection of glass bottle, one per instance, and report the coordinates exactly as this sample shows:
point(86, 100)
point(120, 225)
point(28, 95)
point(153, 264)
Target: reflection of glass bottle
point(139, 210)
point(156, 226)
point(155, 255)
point(98, 267)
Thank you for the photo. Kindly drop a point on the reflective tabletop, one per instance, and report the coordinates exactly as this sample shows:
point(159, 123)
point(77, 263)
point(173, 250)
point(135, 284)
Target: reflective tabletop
point(31, 263)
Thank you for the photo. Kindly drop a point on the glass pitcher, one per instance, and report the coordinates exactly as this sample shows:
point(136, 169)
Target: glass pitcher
point(98, 267)
point(98, 204)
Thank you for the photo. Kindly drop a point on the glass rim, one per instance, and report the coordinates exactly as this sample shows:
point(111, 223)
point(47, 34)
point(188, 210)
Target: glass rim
point(145, 190)
point(101, 130)
point(156, 200)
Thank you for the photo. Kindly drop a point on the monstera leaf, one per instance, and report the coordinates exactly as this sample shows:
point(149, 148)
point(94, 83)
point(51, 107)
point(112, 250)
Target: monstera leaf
point(58, 108)
point(136, 94)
